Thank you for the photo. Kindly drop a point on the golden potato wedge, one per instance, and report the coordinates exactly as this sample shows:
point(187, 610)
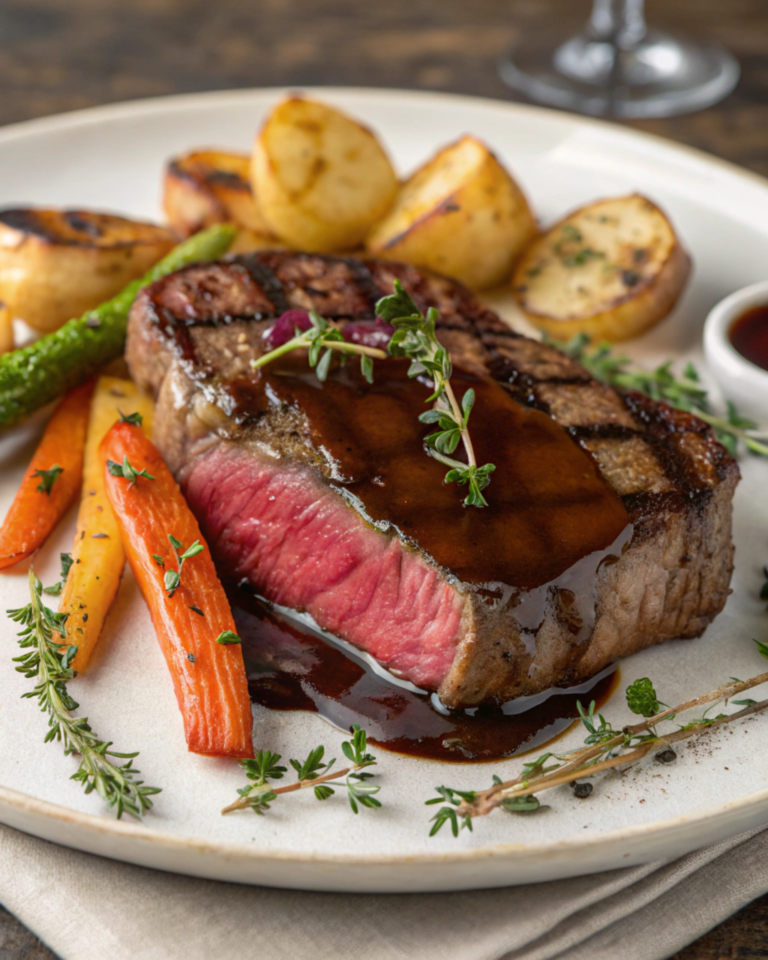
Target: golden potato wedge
point(612, 270)
point(55, 264)
point(321, 179)
point(461, 214)
point(6, 329)
point(209, 186)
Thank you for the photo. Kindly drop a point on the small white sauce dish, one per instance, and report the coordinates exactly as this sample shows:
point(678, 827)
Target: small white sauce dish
point(740, 380)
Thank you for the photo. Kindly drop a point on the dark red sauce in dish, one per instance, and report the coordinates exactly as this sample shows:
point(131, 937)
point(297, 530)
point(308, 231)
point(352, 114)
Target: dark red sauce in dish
point(749, 335)
point(290, 668)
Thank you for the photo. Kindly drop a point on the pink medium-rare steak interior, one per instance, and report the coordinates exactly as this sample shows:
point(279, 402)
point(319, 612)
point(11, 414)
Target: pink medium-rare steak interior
point(307, 549)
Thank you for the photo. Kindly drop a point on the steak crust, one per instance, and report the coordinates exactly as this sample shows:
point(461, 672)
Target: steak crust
point(191, 337)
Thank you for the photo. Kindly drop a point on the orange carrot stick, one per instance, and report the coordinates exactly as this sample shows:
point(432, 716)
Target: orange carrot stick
point(191, 615)
point(52, 481)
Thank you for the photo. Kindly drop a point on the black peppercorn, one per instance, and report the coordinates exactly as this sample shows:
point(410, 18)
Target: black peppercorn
point(581, 790)
point(666, 756)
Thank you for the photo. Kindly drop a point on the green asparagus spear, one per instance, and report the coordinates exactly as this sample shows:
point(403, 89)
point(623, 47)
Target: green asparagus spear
point(34, 375)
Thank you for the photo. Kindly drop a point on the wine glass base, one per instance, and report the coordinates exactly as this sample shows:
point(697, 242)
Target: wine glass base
point(660, 76)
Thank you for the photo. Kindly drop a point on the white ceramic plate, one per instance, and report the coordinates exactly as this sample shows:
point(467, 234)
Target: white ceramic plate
point(111, 158)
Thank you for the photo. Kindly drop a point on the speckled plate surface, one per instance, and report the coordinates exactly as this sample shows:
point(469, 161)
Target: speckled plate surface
point(111, 158)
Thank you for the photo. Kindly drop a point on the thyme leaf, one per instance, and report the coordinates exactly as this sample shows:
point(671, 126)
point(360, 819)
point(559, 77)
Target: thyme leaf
point(135, 419)
point(50, 665)
point(641, 698)
point(125, 469)
point(47, 479)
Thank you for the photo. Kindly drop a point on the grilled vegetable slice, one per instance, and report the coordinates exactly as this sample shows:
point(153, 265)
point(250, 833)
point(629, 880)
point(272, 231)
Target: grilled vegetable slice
point(612, 270)
point(461, 214)
point(208, 676)
point(51, 482)
point(98, 555)
point(37, 374)
point(54, 264)
point(321, 179)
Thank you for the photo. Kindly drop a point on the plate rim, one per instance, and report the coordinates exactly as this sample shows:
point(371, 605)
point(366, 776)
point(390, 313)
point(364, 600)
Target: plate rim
point(101, 825)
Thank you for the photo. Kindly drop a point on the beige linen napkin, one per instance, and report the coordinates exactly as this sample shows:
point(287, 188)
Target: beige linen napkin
point(88, 908)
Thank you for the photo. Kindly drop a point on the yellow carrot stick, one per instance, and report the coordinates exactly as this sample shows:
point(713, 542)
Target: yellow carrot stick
point(98, 555)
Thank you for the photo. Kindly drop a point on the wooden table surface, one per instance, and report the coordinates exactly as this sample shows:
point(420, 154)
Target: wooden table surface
point(57, 56)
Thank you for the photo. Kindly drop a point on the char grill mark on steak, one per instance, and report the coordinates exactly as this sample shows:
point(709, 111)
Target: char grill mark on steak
point(674, 479)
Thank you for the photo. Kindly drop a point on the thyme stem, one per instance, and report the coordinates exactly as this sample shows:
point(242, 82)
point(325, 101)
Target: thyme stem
point(49, 664)
point(577, 763)
point(457, 416)
point(302, 341)
point(243, 803)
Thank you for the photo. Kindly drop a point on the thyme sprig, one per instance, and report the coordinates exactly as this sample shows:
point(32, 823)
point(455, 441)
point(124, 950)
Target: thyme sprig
point(685, 392)
point(312, 772)
point(322, 340)
point(172, 578)
point(125, 469)
point(606, 748)
point(415, 337)
point(50, 665)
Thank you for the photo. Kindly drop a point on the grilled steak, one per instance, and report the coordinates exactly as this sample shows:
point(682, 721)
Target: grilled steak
point(609, 528)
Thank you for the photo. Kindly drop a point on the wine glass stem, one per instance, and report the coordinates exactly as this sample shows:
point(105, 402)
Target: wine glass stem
point(618, 22)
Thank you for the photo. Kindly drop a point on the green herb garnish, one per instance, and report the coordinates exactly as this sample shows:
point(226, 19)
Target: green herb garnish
point(415, 338)
point(172, 578)
point(50, 665)
point(125, 469)
point(312, 772)
point(47, 479)
point(322, 340)
point(684, 392)
point(135, 419)
point(606, 747)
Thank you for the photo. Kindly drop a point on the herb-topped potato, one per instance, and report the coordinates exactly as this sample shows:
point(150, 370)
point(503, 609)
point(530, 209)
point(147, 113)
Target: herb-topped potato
point(321, 179)
point(461, 214)
point(611, 270)
point(56, 264)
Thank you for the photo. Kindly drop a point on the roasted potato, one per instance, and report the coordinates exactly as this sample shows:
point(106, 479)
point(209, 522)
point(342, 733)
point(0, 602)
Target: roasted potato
point(6, 329)
point(55, 264)
point(461, 214)
point(321, 179)
point(208, 186)
point(611, 270)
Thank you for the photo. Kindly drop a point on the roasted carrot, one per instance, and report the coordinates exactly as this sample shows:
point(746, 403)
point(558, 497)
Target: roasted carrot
point(97, 554)
point(52, 481)
point(190, 612)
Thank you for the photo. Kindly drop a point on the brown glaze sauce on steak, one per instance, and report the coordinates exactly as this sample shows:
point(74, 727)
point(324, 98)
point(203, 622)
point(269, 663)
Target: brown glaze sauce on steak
point(254, 472)
point(292, 669)
point(549, 508)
